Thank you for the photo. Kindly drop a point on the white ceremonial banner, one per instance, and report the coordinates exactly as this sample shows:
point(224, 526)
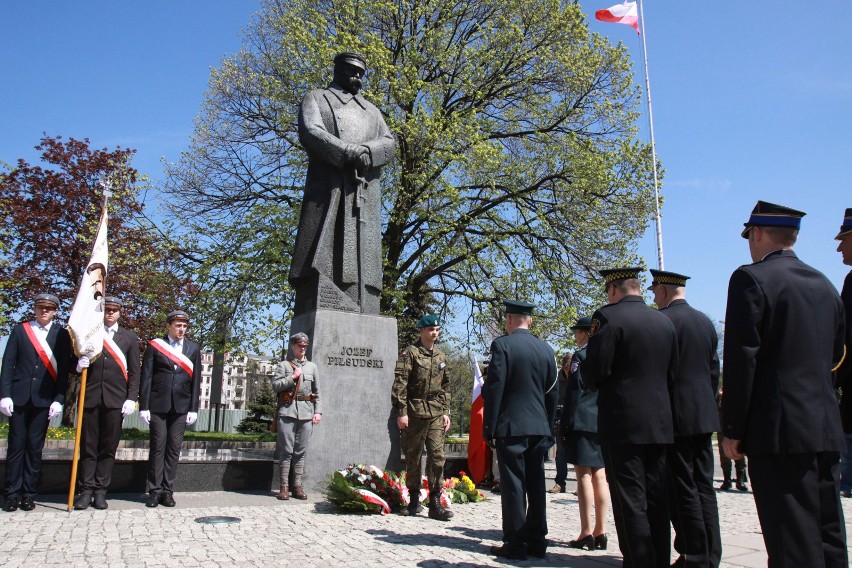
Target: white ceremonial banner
point(86, 322)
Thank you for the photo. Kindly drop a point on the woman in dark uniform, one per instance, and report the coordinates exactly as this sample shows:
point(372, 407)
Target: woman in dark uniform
point(580, 435)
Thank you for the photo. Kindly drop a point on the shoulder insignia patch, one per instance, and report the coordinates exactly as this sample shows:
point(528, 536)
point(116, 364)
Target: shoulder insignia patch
point(596, 324)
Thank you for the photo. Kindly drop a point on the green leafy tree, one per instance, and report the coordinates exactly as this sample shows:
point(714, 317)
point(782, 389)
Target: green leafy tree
point(519, 172)
point(262, 411)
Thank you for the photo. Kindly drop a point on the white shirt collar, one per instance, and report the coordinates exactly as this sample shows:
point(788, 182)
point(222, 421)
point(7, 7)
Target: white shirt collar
point(40, 327)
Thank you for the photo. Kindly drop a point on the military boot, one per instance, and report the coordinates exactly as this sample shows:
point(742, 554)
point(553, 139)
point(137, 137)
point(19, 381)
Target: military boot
point(741, 480)
point(438, 511)
point(726, 484)
point(284, 494)
point(413, 508)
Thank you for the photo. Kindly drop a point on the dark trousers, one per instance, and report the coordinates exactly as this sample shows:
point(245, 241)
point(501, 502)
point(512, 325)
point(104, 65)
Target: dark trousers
point(636, 474)
point(692, 501)
point(98, 442)
point(522, 495)
point(166, 437)
point(726, 463)
point(27, 429)
point(561, 462)
point(798, 504)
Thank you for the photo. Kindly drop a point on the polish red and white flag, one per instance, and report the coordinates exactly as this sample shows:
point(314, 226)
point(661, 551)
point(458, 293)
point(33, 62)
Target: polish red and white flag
point(477, 450)
point(620, 14)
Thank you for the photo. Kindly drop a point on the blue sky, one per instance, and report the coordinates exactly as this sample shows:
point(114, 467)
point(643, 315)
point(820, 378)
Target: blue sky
point(751, 101)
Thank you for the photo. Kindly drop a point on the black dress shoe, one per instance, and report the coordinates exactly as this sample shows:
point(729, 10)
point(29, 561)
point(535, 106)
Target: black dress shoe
point(82, 502)
point(153, 499)
point(587, 542)
point(12, 503)
point(537, 549)
point(166, 499)
point(100, 501)
point(507, 551)
point(600, 542)
point(27, 503)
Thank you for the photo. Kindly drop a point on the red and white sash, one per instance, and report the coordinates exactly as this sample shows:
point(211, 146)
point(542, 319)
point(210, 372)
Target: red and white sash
point(112, 347)
point(177, 358)
point(41, 346)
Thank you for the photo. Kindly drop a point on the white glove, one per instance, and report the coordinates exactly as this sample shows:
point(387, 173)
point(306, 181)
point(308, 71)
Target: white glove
point(145, 415)
point(82, 363)
point(127, 408)
point(7, 407)
point(191, 417)
point(55, 410)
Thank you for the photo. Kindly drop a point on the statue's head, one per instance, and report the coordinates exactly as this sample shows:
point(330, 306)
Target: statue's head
point(349, 68)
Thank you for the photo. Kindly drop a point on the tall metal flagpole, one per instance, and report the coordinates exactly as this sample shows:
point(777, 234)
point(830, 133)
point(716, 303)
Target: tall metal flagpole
point(657, 220)
point(81, 401)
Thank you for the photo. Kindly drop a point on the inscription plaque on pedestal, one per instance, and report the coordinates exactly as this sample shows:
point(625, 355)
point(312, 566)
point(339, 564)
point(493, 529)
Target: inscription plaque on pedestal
point(355, 355)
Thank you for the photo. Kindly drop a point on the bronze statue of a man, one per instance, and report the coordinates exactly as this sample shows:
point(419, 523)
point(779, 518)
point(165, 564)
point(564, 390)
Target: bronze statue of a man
point(337, 260)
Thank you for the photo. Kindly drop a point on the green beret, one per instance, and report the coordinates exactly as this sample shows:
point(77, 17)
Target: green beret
point(428, 321)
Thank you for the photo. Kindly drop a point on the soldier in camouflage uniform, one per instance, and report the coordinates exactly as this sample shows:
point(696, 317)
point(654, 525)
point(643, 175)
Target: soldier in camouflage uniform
point(419, 396)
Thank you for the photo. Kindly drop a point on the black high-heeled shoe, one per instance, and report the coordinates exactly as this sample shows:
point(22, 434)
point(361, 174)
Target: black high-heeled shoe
point(587, 543)
point(600, 542)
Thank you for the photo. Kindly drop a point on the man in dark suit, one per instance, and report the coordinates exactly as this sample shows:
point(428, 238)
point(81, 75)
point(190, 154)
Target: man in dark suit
point(171, 385)
point(112, 389)
point(692, 498)
point(784, 333)
point(33, 381)
point(520, 396)
point(632, 360)
point(844, 373)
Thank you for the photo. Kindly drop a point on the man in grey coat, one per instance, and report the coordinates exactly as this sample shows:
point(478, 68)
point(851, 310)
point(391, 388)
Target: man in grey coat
point(338, 244)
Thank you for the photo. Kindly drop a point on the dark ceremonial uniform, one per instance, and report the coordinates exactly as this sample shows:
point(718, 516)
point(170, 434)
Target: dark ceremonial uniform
point(844, 381)
point(169, 391)
point(27, 379)
point(421, 382)
point(632, 359)
point(784, 332)
point(109, 383)
point(520, 396)
point(692, 505)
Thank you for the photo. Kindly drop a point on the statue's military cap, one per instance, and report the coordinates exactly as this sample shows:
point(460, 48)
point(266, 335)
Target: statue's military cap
point(350, 57)
point(767, 214)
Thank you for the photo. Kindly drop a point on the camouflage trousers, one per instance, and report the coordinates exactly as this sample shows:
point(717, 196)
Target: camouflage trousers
point(420, 431)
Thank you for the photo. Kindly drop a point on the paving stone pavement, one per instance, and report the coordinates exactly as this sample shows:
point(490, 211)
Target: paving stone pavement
point(309, 533)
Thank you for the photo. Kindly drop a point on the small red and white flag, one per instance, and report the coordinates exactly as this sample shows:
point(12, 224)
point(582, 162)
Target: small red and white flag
point(620, 14)
point(86, 322)
point(477, 450)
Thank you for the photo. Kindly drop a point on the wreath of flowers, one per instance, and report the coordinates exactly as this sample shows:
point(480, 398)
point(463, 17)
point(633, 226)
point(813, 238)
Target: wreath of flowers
point(369, 489)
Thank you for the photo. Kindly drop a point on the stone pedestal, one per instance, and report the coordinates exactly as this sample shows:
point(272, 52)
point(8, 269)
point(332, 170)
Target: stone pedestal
point(356, 355)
